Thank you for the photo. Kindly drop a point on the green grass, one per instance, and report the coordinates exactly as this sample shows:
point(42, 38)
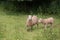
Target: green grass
point(13, 27)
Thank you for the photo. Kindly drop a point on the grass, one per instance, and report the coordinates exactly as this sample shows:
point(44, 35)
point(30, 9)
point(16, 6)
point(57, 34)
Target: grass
point(13, 27)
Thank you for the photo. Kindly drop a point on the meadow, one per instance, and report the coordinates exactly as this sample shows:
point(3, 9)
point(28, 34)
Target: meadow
point(12, 27)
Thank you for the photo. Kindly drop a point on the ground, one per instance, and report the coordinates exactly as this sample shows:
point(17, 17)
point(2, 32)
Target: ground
point(12, 27)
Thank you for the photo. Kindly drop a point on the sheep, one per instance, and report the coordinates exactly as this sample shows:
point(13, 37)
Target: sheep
point(47, 21)
point(31, 20)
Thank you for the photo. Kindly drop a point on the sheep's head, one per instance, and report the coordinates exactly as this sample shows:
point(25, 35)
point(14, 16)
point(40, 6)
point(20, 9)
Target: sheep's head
point(40, 20)
point(29, 17)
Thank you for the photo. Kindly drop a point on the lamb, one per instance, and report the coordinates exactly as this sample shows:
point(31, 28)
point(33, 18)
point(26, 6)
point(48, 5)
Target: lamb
point(31, 20)
point(47, 21)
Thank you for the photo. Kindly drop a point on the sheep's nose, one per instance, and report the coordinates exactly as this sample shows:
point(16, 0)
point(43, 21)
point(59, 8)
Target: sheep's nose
point(29, 19)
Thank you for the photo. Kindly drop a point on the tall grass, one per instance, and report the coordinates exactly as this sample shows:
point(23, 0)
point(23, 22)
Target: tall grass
point(12, 27)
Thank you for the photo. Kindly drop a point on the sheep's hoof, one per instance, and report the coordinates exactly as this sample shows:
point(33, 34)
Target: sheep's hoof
point(28, 30)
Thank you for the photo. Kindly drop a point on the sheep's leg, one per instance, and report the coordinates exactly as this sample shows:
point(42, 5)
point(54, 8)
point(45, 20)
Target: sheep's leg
point(31, 28)
point(45, 26)
point(27, 28)
point(51, 25)
point(37, 25)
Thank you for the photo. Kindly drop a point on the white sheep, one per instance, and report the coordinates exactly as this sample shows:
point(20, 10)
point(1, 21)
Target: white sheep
point(47, 21)
point(31, 20)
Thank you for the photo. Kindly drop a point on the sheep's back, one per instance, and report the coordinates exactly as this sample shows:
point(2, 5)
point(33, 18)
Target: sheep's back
point(50, 20)
point(34, 19)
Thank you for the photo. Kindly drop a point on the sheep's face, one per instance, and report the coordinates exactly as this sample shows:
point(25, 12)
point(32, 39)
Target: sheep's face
point(30, 17)
point(40, 20)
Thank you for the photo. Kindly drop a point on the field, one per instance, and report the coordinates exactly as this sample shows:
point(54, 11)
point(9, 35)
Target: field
point(12, 27)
